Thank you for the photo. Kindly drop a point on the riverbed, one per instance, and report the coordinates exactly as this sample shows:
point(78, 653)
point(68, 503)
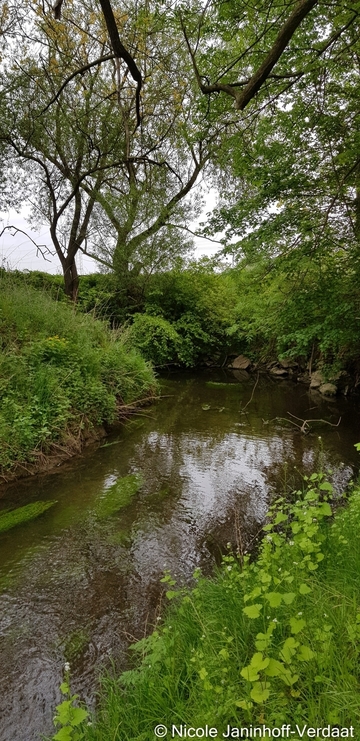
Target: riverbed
point(82, 581)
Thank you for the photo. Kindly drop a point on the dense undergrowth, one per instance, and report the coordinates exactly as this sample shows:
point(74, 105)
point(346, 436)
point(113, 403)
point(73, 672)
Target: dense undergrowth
point(63, 373)
point(270, 642)
point(204, 311)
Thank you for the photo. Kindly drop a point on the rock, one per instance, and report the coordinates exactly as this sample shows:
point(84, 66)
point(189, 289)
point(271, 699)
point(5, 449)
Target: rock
point(276, 371)
point(303, 378)
point(328, 389)
point(343, 381)
point(317, 379)
point(241, 363)
point(241, 375)
point(288, 363)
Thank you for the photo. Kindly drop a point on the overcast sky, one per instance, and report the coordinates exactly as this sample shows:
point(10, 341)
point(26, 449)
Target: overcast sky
point(18, 252)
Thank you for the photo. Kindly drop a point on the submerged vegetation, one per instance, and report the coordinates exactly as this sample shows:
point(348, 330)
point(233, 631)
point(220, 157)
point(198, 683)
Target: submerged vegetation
point(14, 517)
point(63, 375)
point(270, 642)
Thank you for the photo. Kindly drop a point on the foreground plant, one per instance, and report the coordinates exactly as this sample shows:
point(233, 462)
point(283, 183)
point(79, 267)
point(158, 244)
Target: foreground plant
point(69, 716)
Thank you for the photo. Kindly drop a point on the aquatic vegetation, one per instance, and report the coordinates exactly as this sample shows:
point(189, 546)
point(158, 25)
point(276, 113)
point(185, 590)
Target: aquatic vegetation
point(75, 643)
point(118, 495)
point(14, 517)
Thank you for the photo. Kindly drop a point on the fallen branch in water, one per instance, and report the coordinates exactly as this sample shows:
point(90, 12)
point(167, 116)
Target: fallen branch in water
point(252, 393)
point(304, 427)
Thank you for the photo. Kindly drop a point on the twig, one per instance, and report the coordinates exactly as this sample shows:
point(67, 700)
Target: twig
point(252, 393)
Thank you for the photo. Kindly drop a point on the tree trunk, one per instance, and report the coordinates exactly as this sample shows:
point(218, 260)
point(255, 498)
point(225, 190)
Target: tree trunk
point(71, 279)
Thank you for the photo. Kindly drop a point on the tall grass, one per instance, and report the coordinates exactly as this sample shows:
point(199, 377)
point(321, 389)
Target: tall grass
point(272, 642)
point(62, 372)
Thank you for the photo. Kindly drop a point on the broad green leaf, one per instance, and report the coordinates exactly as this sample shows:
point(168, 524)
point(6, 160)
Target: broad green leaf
point(258, 662)
point(273, 598)
point(260, 692)
point(65, 734)
point(249, 673)
point(297, 624)
point(304, 589)
point(305, 653)
point(253, 611)
point(325, 509)
point(289, 649)
point(288, 597)
point(274, 668)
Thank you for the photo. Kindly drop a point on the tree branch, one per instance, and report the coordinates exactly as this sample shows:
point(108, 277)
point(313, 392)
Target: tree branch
point(79, 71)
point(121, 52)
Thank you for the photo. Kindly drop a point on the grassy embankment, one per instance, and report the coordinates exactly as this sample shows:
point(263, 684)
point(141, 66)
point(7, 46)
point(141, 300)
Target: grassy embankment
point(63, 376)
point(272, 642)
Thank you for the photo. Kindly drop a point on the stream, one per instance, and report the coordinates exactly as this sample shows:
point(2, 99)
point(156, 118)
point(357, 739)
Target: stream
point(82, 581)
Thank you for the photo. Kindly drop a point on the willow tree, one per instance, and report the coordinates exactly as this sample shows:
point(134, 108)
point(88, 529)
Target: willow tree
point(70, 121)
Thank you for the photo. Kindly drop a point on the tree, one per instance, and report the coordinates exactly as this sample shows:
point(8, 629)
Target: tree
point(78, 139)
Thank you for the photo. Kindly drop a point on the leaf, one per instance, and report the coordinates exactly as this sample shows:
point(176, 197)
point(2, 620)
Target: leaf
point(245, 704)
point(288, 597)
point(297, 625)
point(289, 649)
point(65, 734)
point(280, 517)
point(258, 662)
point(274, 598)
point(325, 509)
point(253, 611)
point(259, 692)
point(326, 486)
point(249, 673)
point(78, 716)
point(304, 589)
point(274, 668)
point(203, 673)
point(305, 653)
point(64, 688)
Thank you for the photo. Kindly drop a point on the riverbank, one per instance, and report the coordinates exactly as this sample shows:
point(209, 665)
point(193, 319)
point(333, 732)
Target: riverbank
point(273, 643)
point(66, 378)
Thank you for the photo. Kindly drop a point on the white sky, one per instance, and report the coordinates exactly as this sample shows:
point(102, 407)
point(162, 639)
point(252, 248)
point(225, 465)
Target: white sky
point(19, 253)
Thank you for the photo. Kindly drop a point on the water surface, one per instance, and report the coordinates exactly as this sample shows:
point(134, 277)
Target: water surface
point(79, 587)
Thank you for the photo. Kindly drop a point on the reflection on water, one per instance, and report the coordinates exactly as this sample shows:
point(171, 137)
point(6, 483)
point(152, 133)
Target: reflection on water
point(78, 587)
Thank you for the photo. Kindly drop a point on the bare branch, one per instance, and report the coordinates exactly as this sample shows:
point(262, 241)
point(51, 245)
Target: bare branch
point(42, 248)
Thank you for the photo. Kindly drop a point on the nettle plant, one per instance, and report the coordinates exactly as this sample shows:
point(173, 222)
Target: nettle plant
point(273, 585)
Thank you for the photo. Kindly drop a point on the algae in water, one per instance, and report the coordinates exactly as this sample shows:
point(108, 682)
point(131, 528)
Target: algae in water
point(118, 495)
point(17, 516)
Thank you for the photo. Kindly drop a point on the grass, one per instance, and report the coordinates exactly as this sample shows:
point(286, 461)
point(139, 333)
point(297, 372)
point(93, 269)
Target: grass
point(272, 642)
point(62, 374)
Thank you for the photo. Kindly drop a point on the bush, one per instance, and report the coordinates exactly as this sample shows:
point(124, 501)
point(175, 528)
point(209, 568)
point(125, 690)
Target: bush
point(155, 337)
point(60, 371)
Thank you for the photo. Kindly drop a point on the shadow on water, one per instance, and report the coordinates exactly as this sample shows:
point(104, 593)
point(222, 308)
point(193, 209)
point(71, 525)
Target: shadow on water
point(166, 491)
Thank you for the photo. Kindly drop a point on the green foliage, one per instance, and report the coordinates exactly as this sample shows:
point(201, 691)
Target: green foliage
point(271, 641)
point(17, 516)
point(61, 372)
point(155, 338)
point(196, 304)
point(69, 715)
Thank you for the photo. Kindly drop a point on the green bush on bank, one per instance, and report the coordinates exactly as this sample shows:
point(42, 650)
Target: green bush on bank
point(272, 642)
point(61, 372)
